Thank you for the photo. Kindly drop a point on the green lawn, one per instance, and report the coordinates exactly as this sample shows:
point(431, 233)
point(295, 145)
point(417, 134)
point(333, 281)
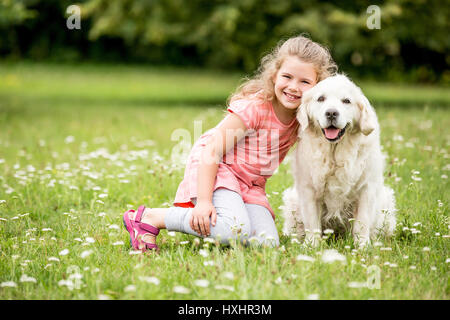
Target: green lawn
point(79, 145)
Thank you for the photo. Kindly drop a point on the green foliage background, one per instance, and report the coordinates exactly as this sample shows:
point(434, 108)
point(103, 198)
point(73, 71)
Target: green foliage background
point(412, 44)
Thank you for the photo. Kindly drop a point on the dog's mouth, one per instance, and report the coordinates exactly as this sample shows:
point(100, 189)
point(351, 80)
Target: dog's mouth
point(333, 134)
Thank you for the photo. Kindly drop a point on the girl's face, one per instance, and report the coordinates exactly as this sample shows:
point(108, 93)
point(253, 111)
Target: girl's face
point(292, 79)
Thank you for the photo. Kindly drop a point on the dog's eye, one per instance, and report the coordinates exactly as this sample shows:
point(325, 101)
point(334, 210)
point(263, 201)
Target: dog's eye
point(346, 101)
point(321, 99)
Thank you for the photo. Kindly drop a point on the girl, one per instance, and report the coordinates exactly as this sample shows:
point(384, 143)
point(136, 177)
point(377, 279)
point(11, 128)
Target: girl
point(223, 194)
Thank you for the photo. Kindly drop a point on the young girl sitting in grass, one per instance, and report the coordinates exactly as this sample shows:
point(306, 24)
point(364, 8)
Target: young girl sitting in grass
point(223, 194)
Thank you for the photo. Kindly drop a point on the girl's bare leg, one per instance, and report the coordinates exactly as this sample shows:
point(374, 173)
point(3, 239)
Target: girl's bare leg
point(154, 217)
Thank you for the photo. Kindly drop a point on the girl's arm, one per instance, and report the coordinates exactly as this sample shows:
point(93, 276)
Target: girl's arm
point(225, 137)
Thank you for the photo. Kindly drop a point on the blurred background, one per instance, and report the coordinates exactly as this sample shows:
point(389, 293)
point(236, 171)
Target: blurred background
point(412, 44)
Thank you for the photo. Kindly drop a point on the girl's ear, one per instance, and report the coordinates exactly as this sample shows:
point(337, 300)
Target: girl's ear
point(302, 113)
point(368, 119)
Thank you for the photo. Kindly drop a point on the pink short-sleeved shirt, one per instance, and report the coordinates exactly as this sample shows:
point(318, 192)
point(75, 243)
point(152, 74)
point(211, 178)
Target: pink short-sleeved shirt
point(246, 167)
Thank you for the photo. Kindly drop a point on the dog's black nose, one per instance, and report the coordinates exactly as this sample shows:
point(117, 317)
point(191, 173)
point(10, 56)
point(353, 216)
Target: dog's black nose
point(331, 114)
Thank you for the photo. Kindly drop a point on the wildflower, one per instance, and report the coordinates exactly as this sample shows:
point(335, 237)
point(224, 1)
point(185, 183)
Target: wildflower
point(25, 278)
point(184, 242)
point(90, 240)
point(447, 260)
point(386, 249)
point(118, 243)
point(203, 253)
point(332, 255)
point(103, 297)
point(426, 249)
point(2, 201)
point(86, 254)
point(201, 283)
point(278, 280)
point(133, 252)
point(152, 280)
point(171, 233)
point(208, 263)
point(181, 289)
point(114, 226)
point(412, 267)
point(103, 195)
point(10, 284)
point(64, 252)
point(433, 268)
point(68, 283)
point(69, 139)
point(130, 288)
point(53, 259)
point(47, 229)
point(313, 296)
point(230, 275)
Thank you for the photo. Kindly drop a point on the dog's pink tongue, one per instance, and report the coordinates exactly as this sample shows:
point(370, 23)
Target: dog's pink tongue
point(331, 133)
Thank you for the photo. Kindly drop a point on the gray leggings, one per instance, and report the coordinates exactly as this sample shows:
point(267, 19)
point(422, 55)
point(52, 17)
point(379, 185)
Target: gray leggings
point(236, 220)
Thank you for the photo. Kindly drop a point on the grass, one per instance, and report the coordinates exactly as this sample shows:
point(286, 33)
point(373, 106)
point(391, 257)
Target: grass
point(81, 144)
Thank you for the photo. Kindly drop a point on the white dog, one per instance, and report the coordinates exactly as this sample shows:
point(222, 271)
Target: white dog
point(338, 167)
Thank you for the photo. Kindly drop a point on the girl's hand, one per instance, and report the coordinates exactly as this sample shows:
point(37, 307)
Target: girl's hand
point(199, 221)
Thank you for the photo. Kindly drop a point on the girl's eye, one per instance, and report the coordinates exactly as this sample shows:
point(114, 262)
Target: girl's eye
point(286, 76)
point(346, 101)
point(304, 81)
point(321, 99)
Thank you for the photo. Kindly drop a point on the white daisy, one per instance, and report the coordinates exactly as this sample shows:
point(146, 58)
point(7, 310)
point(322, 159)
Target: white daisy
point(64, 252)
point(181, 289)
point(201, 283)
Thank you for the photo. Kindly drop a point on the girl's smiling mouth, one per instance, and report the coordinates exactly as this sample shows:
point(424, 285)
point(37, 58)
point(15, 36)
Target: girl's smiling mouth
point(291, 97)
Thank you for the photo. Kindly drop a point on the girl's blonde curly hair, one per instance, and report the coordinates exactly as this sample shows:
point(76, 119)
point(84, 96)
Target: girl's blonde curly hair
point(300, 46)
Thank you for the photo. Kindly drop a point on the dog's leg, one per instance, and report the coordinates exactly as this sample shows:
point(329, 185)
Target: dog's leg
point(364, 216)
point(310, 214)
point(386, 215)
point(290, 211)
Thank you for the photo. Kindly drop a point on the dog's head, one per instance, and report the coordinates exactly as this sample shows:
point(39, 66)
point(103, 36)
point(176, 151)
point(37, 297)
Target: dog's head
point(336, 106)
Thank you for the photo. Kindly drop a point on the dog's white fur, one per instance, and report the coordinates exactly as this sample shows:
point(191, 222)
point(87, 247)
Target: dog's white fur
point(340, 180)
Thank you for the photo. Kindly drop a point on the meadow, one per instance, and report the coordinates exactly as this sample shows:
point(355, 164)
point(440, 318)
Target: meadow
point(81, 144)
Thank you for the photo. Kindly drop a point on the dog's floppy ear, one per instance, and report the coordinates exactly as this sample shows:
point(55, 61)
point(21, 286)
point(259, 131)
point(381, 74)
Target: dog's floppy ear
point(368, 119)
point(302, 113)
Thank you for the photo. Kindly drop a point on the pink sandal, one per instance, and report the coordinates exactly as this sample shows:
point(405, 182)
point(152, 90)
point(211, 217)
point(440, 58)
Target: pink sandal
point(138, 229)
